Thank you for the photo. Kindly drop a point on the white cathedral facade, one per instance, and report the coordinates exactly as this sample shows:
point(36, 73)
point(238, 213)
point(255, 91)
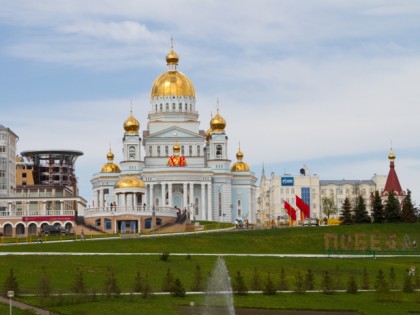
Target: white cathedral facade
point(184, 169)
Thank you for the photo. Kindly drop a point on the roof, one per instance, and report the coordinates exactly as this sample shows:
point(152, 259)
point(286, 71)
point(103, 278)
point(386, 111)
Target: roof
point(341, 182)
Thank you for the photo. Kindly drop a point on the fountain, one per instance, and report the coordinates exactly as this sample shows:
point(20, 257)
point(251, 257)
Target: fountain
point(219, 298)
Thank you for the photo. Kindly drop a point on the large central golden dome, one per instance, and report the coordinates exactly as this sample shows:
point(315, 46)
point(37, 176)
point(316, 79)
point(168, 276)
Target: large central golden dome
point(172, 82)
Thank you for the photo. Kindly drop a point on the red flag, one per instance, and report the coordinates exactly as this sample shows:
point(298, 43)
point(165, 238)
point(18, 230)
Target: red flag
point(290, 210)
point(304, 208)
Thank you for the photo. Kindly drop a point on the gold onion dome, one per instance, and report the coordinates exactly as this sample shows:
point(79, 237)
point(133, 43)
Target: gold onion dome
point(240, 166)
point(129, 181)
point(176, 147)
point(391, 155)
point(172, 82)
point(110, 166)
point(208, 134)
point(218, 123)
point(131, 125)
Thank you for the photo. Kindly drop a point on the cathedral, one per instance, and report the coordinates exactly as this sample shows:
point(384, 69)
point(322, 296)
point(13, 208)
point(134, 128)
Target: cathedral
point(184, 169)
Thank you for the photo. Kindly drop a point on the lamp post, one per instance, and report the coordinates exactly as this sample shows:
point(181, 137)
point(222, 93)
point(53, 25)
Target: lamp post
point(10, 294)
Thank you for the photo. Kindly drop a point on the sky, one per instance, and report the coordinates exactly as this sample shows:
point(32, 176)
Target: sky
point(323, 83)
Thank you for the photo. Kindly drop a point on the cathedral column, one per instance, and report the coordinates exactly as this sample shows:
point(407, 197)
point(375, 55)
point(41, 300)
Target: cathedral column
point(123, 202)
point(170, 195)
point(192, 201)
point(185, 194)
point(151, 202)
point(203, 203)
point(209, 202)
point(101, 199)
point(163, 195)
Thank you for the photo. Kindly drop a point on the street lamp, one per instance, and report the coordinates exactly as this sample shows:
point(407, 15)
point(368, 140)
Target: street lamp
point(10, 294)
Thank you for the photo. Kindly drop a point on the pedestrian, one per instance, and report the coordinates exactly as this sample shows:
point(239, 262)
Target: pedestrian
point(82, 235)
point(39, 237)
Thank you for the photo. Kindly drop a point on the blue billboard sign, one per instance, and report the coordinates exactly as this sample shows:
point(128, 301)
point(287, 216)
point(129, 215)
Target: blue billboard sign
point(287, 181)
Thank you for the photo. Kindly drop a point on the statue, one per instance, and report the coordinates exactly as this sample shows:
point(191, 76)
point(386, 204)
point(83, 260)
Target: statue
point(177, 159)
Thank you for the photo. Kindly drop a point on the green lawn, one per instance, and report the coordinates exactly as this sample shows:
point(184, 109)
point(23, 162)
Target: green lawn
point(62, 268)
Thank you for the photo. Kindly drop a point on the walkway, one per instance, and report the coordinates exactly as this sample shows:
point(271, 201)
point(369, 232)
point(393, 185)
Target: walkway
point(24, 306)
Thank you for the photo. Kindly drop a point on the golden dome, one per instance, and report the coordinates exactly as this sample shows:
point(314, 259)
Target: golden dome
point(172, 82)
point(129, 181)
point(131, 125)
point(208, 134)
point(176, 147)
point(391, 155)
point(110, 166)
point(240, 166)
point(218, 123)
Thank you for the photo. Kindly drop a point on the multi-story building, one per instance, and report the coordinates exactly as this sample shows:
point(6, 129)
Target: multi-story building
point(184, 168)
point(8, 140)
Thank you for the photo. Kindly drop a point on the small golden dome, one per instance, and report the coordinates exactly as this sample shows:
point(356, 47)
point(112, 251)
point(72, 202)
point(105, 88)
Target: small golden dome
point(391, 155)
point(208, 134)
point(110, 166)
point(240, 166)
point(129, 181)
point(172, 82)
point(131, 125)
point(176, 147)
point(218, 123)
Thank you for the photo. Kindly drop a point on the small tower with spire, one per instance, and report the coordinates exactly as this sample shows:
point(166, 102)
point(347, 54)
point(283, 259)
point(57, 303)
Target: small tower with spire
point(392, 181)
point(131, 146)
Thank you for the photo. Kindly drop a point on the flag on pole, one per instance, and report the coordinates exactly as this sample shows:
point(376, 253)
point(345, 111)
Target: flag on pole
point(304, 208)
point(290, 210)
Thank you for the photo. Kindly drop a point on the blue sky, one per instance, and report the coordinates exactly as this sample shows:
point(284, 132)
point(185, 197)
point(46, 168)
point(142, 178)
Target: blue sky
point(325, 83)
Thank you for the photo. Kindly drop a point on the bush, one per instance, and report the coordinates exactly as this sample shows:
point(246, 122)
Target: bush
point(198, 280)
point(168, 281)
point(327, 284)
point(11, 284)
point(352, 285)
point(269, 287)
point(177, 289)
point(309, 280)
point(299, 283)
point(164, 256)
point(238, 285)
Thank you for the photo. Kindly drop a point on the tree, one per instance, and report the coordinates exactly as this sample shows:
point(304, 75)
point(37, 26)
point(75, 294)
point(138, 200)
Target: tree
point(352, 285)
point(392, 278)
point(177, 289)
point(377, 209)
point(44, 284)
point(238, 285)
point(79, 286)
point(365, 280)
point(138, 282)
point(11, 283)
point(299, 283)
point(392, 209)
point(111, 285)
point(256, 280)
point(327, 283)
point(146, 288)
point(309, 280)
point(328, 206)
point(360, 213)
point(168, 281)
point(381, 285)
point(408, 213)
point(269, 287)
point(346, 216)
point(283, 285)
point(198, 280)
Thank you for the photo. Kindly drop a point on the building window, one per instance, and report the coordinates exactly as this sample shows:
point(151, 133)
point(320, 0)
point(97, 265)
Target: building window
point(167, 107)
point(131, 153)
point(324, 192)
point(2, 149)
point(161, 108)
point(108, 224)
point(158, 150)
point(150, 150)
point(198, 151)
point(182, 150)
point(196, 206)
point(180, 107)
point(24, 175)
point(239, 203)
point(173, 107)
point(166, 150)
point(219, 151)
point(98, 222)
point(190, 150)
point(339, 191)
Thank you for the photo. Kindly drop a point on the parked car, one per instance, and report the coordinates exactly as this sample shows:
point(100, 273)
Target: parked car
point(314, 221)
point(54, 229)
point(310, 222)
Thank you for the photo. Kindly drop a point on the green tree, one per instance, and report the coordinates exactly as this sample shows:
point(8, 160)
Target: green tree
point(238, 285)
point(146, 288)
point(44, 284)
point(377, 209)
point(11, 283)
point(381, 285)
point(177, 289)
point(408, 213)
point(138, 282)
point(79, 286)
point(299, 283)
point(283, 285)
point(360, 213)
point(309, 280)
point(327, 283)
point(111, 286)
point(346, 216)
point(352, 287)
point(269, 287)
point(198, 280)
point(328, 206)
point(365, 280)
point(392, 212)
point(168, 281)
point(256, 280)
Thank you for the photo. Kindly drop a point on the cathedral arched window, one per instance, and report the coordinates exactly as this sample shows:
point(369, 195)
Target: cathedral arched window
point(180, 107)
point(198, 151)
point(186, 107)
point(158, 150)
point(156, 108)
point(167, 107)
point(190, 150)
point(166, 150)
point(219, 151)
point(150, 150)
point(161, 108)
point(190, 107)
point(182, 150)
point(173, 107)
point(132, 153)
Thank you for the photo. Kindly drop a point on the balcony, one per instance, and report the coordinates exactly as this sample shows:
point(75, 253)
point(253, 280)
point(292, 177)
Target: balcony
point(139, 210)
